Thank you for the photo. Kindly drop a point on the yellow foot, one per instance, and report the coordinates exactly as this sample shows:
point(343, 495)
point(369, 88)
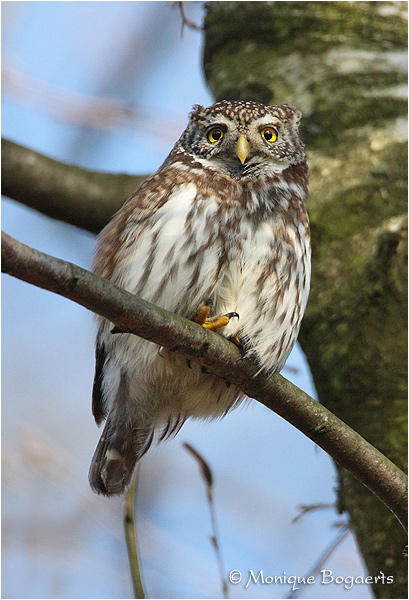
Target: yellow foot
point(215, 323)
point(203, 312)
point(237, 339)
point(212, 323)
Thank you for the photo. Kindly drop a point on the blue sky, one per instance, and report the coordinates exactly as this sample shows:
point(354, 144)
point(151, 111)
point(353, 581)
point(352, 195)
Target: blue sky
point(59, 539)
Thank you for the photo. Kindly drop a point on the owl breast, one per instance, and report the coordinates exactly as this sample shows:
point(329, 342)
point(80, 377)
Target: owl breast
point(197, 248)
point(267, 283)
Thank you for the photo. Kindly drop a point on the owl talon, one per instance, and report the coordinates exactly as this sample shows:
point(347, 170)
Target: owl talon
point(239, 341)
point(212, 323)
point(204, 311)
point(216, 323)
point(233, 314)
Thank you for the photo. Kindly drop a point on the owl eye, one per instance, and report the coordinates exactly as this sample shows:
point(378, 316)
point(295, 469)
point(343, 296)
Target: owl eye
point(269, 134)
point(215, 135)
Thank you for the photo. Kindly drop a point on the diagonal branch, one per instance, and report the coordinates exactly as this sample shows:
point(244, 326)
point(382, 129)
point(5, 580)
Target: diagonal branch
point(220, 356)
point(83, 198)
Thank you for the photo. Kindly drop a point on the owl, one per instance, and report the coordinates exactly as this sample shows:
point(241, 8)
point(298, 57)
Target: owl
point(220, 235)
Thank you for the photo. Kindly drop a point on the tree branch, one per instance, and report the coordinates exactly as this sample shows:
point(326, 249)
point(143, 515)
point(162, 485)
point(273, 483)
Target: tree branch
point(83, 198)
point(220, 356)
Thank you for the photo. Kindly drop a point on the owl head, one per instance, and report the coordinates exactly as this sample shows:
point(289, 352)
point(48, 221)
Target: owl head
point(244, 138)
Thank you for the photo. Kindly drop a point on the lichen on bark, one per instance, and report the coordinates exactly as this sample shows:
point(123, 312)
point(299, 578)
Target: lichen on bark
point(344, 65)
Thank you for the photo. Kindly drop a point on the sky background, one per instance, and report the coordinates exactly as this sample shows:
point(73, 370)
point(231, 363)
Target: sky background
point(63, 63)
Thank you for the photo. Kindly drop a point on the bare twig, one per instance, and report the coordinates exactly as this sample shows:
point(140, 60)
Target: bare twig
point(131, 538)
point(322, 559)
point(208, 479)
point(217, 354)
point(204, 467)
point(185, 20)
point(88, 111)
point(304, 509)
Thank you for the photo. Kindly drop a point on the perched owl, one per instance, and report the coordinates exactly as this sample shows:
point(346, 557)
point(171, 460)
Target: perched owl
point(219, 234)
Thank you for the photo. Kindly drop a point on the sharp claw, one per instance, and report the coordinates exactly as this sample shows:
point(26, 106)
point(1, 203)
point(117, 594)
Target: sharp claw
point(214, 323)
point(160, 351)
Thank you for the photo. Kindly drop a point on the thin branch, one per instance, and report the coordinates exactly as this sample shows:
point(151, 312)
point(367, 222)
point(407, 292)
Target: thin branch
point(88, 111)
point(131, 538)
point(309, 508)
point(83, 198)
point(217, 354)
point(185, 20)
point(322, 559)
point(207, 475)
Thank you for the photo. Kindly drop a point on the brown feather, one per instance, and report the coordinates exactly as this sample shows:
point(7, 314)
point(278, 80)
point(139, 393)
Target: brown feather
point(98, 405)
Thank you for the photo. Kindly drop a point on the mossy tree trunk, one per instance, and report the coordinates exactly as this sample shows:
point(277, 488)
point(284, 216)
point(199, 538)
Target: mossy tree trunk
point(343, 65)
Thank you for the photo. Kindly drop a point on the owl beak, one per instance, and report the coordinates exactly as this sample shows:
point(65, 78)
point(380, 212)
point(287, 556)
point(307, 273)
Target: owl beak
point(242, 148)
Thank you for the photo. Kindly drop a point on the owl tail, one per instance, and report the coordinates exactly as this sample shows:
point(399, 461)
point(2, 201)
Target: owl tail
point(115, 457)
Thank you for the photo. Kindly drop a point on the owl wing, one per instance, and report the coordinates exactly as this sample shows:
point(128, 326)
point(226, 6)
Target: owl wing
point(163, 246)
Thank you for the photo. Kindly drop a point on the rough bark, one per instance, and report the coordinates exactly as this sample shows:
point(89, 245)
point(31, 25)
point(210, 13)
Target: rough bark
point(343, 65)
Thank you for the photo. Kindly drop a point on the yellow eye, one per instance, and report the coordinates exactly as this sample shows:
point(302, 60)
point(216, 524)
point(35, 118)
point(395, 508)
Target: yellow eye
point(215, 135)
point(269, 134)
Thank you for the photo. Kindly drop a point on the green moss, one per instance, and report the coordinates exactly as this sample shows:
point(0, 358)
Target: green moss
point(322, 23)
point(327, 124)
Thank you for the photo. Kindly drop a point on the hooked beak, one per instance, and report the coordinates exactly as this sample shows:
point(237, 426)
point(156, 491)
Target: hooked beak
point(242, 148)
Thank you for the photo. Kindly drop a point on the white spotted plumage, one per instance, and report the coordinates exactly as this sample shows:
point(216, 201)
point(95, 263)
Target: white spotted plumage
point(204, 226)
